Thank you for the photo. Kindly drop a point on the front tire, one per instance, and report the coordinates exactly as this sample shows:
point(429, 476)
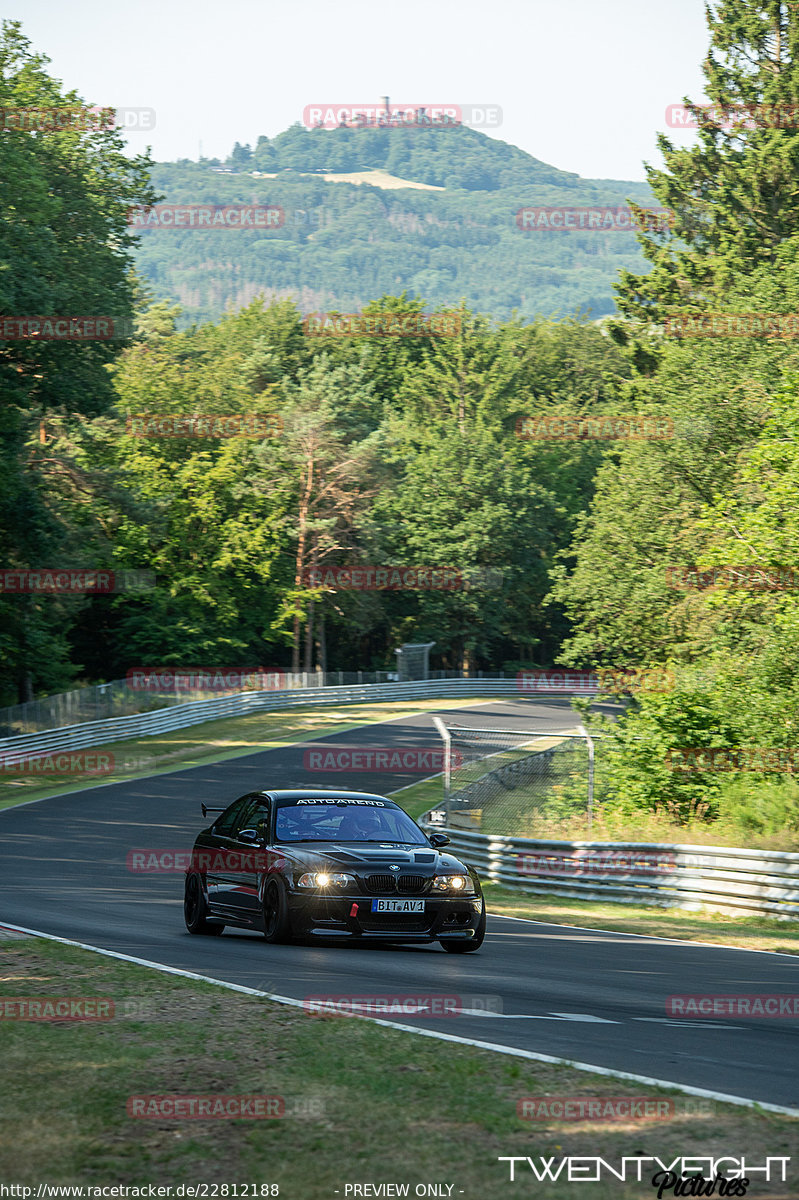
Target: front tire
point(464, 947)
point(195, 908)
point(277, 924)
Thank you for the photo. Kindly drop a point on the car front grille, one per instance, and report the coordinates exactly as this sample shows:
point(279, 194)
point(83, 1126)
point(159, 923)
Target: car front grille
point(381, 883)
point(412, 883)
point(397, 883)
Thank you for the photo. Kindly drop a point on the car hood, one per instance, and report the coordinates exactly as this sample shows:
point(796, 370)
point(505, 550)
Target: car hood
point(360, 854)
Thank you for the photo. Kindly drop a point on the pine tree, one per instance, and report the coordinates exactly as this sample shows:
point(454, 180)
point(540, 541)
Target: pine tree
point(735, 194)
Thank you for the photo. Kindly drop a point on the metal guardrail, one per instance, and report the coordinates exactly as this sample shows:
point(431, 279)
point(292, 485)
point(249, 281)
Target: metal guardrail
point(119, 729)
point(736, 881)
point(730, 879)
point(124, 698)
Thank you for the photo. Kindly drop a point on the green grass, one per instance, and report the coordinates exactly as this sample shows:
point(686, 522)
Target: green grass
point(363, 1103)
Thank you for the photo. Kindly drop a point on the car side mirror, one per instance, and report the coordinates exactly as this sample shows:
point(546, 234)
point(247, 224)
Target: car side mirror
point(438, 839)
point(251, 836)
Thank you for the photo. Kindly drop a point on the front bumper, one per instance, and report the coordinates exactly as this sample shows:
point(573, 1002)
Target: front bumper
point(351, 916)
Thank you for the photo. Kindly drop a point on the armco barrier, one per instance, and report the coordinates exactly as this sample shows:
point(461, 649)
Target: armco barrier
point(119, 729)
point(670, 875)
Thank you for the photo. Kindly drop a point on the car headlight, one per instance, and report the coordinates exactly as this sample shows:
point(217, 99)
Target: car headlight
point(324, 879)
point(460, 884)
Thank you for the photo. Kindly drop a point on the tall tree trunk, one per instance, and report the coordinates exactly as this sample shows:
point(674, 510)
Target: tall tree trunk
point(321, 644)
point(302, 535)
point(25, 689)
point(309, 624)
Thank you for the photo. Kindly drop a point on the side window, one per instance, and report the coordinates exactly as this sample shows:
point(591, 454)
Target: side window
point(254, 815)
point(229, 821)
point(261, 820)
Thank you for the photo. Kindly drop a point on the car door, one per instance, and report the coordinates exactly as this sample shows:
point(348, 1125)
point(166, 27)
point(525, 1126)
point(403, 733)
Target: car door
point(237, 893)
point(222, 840)
point(245, 895)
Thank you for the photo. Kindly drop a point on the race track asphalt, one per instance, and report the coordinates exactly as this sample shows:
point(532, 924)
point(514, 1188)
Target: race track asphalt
point(586, 995)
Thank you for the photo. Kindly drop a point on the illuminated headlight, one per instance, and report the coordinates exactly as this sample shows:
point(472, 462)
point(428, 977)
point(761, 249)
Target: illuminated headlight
point(454, 883)
point(324, 879)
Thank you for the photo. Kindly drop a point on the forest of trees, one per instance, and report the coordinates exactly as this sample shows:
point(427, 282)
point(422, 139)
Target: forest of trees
point(405, 450)
point(342, 244)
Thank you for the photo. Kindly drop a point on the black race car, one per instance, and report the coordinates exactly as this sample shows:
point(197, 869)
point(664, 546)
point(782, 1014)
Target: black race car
point(330, 864)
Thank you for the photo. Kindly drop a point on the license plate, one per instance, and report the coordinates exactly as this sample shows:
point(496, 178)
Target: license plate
point(398, 906)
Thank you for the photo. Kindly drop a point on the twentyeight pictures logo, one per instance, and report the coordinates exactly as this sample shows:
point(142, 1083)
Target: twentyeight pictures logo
point(584, 1169)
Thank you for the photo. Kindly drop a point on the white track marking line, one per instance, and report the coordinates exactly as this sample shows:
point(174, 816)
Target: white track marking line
point(654, 937)
point(514, 1052)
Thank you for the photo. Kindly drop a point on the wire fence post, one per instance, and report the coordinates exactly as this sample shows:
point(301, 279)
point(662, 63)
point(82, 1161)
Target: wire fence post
point(590, 743)
point(447, 739)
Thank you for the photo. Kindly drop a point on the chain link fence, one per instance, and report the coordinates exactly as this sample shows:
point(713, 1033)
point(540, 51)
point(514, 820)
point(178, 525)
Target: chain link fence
point(515, 783)
point(118, 698)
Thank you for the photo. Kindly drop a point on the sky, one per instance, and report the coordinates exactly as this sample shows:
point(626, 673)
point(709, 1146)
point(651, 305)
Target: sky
point(581, 84)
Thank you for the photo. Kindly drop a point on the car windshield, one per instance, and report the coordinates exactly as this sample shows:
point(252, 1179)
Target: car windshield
point(343, 821)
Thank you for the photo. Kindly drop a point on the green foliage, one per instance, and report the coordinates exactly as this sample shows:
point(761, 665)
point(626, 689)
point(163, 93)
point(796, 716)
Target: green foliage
point(734, 193)
point(342, 244)
point(65, 250)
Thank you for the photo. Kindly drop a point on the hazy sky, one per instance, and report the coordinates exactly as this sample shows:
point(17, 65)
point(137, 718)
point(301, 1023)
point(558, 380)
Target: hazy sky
point(582, 84)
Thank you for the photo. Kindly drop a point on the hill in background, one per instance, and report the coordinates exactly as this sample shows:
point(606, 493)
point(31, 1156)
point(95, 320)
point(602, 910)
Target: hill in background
point(344, 243)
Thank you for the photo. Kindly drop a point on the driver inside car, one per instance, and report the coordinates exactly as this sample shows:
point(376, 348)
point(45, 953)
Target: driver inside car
point(361, 825)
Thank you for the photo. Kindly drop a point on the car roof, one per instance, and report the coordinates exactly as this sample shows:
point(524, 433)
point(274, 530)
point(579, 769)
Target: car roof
point(322, 794)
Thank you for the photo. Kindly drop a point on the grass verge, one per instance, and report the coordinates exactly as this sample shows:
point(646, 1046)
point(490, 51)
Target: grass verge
point(363, 1104)
point(216, 741)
